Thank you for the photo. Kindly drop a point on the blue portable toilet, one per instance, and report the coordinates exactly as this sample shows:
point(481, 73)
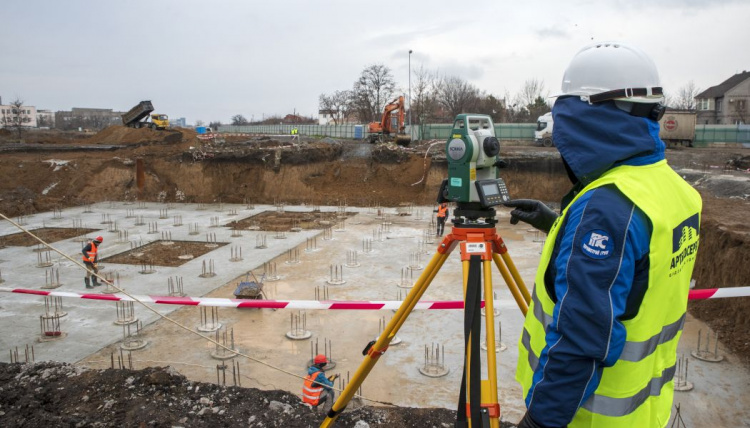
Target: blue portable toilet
point(359, 131)
point(200, 130)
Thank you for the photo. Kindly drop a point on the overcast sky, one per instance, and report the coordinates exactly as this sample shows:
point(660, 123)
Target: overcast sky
point(210, 60)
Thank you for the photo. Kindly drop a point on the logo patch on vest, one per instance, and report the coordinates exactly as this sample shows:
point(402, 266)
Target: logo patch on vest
point(597, 244)
point(685, 238)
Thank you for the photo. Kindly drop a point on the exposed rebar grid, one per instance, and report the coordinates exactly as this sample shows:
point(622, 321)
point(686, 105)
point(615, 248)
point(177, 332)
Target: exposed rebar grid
point(499, 345)
point(269, 271)
point(351, 259)
point(163, 213)
point(232, 212)
point(292, 256)
point(166, 238)
point(136, 244)
point(86, 210)
point(50, 328)
point(428, 236)
point(434, 361)
point(211, 240)
point(680, 378)
point(261, 241)
point(495, 310)
point(131, 337)
point(207, 270)
point(367, 245)
point(327, 351)
point(341, 225)
point(113, 227)
point(174, 287)
point(311, 245)
point(106, 219)
point(147, 267)
point(44, 259)
point(51, 279)
point(377, 235)
point(129, 213)
point(224, 337)
point(235, 254)
point(328, 234)
point(298, 327)
point(142, 205)
point(193, 229)
point(153, 228)
point(125, 312)
point(123, 236)
point(28, 355)
point(336, 275)
point(111, 278)
point(139, 221)
point(407, 278)
point(705, 354)
point(280, 234)
point(321, 293)
point(236, 233)
point(214, 222)
point(209, 322)
point(415, 261)
point(177, 221)
point(53, 307)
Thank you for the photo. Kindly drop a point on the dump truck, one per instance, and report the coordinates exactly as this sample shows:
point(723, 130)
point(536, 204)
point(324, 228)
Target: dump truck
point(138, 117)
point(543, 133)
point(677, 127)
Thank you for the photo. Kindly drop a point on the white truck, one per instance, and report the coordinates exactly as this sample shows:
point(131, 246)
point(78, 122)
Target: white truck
point(676, 128)
point(543, 133)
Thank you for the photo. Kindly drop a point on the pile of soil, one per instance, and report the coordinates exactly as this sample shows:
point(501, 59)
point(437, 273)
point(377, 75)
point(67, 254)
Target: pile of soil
point(122, 135)
point(55, 394)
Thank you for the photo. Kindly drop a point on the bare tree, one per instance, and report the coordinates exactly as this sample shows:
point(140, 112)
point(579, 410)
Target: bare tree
point(424, 101)
point(239, 120)
point(456, 95)
point(531, 90)
point(214, 125)
point(372, 91)
point(493, 107)
point(198, 122)
point(338, 104)
point(685, 98)
point(16, 118)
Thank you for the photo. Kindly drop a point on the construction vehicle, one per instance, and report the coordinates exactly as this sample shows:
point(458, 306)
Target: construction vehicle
point(138, 117)
point(391, 126)
point(543, 133)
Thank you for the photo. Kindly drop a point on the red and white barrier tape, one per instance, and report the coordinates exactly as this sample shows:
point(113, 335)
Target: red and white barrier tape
point(714, 293)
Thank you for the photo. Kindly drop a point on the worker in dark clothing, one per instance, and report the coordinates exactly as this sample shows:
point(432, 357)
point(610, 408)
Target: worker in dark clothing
point(442, 214)
point(318, 388)
point(90, 255)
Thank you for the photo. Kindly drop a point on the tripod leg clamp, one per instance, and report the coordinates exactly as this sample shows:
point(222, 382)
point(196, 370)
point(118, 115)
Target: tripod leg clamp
point(373, 353)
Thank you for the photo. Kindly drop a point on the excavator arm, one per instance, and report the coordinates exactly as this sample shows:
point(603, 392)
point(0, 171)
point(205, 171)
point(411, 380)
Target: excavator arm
point(385, 126)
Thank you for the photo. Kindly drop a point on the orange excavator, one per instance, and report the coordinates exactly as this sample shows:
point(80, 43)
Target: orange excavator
point(391, 125)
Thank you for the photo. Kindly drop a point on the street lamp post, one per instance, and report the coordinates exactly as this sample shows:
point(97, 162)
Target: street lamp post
point(410, 132)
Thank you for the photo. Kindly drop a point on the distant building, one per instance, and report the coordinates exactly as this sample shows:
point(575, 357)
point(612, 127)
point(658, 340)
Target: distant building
point(328, 117)
point(45, 118)
point(10, 116)
point(725, 103)
point(180, 122)
point(87, 118)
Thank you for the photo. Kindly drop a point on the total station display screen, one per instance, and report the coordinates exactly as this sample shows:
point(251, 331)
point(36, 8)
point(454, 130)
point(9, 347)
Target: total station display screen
point(490, 189)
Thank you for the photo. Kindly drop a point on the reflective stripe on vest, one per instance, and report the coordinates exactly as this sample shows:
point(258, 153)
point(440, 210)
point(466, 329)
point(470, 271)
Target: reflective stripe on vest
point(638, 389)
point(311, 394)
point(91, 254)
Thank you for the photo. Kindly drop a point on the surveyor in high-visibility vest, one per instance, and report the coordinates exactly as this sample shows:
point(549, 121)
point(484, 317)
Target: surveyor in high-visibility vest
point(317, 388)
point(442, 214)
point(598, 346)
point(90, 259)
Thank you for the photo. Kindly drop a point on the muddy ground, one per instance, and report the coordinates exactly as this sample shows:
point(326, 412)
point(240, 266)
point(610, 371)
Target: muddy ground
point(53, 170)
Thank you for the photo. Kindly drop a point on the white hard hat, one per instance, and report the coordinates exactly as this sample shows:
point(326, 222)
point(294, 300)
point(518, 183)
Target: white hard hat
point(612, 71)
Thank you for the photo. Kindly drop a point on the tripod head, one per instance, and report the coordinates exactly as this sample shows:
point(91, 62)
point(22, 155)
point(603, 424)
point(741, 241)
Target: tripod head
point(473, 215)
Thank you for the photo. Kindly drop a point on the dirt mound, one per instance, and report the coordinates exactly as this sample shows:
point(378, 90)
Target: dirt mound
point(123, 135)
point(55, 394)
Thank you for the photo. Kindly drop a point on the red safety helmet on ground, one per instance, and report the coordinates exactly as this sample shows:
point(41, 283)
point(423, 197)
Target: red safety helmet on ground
point(320, 359)
point(99, 239)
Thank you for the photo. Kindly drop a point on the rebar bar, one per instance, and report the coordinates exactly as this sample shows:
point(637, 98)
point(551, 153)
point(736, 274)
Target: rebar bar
point(207, 270)
point(209, 322)
point(235, 254)
point(292, 256)
point(174, 286)
point(336, 275)
point(260, 241)
point(351, 259)
point(269, 271)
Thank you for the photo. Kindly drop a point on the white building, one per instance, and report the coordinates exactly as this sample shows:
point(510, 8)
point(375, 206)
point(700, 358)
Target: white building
point(45, 118)
point(10, 116)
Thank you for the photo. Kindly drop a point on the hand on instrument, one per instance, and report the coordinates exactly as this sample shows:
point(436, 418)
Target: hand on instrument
point(533, 212)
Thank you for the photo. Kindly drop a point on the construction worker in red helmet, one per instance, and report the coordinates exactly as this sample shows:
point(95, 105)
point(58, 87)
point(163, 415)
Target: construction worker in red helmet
point(90, 257)
point(318, 388)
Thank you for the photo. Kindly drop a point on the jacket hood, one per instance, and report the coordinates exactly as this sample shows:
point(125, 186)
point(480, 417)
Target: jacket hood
point(593, 138)
point(313, 369)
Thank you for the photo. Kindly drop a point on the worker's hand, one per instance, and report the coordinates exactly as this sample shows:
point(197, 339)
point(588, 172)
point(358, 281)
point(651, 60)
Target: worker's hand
point(533, 212)
point(527, 422)
point(334, 377)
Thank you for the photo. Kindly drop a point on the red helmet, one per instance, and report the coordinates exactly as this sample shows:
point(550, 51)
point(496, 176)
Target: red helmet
point(320, 359)
point(99, 239)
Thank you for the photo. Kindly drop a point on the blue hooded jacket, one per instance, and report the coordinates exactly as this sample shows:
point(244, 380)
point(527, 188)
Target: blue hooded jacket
point(320, 378)
point(592, 295)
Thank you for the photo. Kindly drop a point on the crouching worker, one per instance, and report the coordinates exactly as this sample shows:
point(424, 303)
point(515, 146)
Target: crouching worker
point(318, 388)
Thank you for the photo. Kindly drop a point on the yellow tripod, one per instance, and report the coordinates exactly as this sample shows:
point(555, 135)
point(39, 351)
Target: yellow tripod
point(479, 245)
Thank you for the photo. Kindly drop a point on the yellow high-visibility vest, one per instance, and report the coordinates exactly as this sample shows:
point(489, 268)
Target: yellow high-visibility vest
point(637, 391)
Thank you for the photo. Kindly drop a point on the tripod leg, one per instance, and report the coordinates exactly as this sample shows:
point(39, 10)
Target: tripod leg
point(489, 387)
point(381, 344)
point(517, 276)
point(512, 285)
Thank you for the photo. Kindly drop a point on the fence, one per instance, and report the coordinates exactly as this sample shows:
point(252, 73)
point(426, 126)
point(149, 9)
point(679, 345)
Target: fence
point(708, 134)
point(434, 131)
